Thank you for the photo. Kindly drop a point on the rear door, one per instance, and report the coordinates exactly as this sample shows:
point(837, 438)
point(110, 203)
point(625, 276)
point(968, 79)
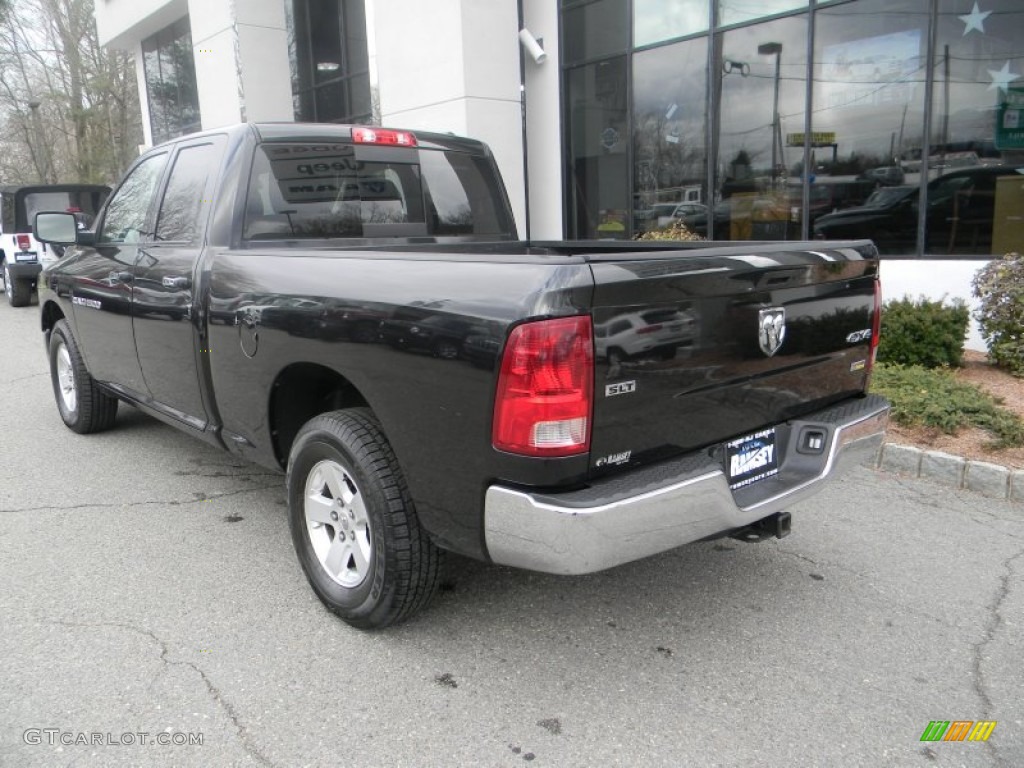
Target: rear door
point(695, 350)
point(101, 278)
point(167, 330)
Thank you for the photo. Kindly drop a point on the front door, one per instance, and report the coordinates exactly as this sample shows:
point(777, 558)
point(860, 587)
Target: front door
point(101, 279)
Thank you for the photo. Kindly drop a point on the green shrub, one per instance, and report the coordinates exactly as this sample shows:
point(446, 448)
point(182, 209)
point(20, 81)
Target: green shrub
point(934, 398)
point(923, 332)
point(1000, 287)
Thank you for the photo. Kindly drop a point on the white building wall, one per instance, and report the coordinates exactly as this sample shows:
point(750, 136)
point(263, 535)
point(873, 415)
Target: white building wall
point(240, 48)
point(125, 23)
point(544, 124)
point(214, 42)
point(453, 65)
point(140, 81)
point(241, 55)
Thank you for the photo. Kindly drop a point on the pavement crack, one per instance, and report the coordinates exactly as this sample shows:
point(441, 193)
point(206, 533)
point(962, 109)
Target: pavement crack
point(995, 620)
point(197, 473)
point(215, 693)
point(906, 608)
point(151, 502)
point(805, 558)
point(26, 378)
point(992, 518)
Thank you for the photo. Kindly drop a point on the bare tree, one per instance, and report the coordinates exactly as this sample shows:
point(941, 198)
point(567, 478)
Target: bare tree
point(69, 109)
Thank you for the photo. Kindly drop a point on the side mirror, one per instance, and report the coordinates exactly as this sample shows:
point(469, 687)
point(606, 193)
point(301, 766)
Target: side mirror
point(56, 228)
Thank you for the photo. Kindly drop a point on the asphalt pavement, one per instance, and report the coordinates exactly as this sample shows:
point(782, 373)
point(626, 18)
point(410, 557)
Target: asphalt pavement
point(148, 591)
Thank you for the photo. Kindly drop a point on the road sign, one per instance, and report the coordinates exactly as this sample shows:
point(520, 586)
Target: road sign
point(1010, 120)
point(818, 139)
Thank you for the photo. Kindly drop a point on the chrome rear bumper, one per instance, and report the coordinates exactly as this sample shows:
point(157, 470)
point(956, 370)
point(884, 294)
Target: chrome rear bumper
point(655, 509)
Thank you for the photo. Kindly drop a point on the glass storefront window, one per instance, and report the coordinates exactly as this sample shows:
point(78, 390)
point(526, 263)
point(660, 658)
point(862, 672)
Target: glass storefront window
point(737, 11)
point(171, 88)
point(650, 125)
point(975, 194)
point(594, 28)
point(669, 130)
point(329, 61)
point(657, 20)
point(870, 67)
point(598, 148)
point(761, 90)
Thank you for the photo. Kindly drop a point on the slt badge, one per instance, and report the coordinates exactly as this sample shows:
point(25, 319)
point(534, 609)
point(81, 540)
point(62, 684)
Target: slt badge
point(771, 329)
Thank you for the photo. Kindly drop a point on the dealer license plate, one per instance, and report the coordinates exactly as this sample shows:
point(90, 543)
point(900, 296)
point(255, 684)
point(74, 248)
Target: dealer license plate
point(751, 459)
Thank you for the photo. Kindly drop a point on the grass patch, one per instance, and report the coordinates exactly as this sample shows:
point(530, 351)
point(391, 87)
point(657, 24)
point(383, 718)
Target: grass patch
point(923, 397)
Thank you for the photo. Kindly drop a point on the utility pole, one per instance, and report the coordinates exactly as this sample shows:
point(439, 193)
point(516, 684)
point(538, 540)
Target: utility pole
point(774, 49)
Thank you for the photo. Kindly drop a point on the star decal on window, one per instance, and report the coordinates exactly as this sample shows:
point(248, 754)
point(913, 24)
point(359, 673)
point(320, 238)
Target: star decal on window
point(1001, 78)
point(975, 20)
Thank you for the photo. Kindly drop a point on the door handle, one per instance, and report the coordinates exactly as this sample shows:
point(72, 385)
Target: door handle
point(121, 277)
point(176, 282)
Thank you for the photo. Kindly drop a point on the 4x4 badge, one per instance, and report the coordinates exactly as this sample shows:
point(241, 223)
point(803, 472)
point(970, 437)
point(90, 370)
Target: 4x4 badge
point(771, 329)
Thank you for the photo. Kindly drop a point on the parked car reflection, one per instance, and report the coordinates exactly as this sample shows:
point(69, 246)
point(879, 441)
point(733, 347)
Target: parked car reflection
point(151, 298)
point(441, 334)
point(886, 175)
point(959, 218)
point(653, 334)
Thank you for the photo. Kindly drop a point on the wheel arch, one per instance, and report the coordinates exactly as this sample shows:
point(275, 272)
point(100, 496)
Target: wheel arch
point(301, 391)
point(50, 315)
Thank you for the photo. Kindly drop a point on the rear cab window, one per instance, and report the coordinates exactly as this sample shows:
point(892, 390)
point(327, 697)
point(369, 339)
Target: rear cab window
point(318, 190)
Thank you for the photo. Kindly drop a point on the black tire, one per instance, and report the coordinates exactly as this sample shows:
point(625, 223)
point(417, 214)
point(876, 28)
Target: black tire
point(19, 292)
point(83, 406)
point(390, 568)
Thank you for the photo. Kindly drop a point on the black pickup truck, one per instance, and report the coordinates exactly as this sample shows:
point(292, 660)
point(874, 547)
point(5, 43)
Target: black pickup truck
point(351, 305)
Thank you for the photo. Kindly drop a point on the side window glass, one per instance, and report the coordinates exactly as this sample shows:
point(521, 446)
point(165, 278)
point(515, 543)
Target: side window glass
point(126, 214)
point(183, 201)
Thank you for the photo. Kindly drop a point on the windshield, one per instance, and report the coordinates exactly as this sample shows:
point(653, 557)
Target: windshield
point(883, 197)
point(327, 191)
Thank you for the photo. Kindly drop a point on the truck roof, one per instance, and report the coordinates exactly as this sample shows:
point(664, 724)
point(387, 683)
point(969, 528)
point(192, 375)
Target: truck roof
point(284, 131)
point(336, 131)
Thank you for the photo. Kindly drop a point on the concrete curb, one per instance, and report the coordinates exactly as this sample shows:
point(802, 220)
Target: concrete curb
point(991, 480)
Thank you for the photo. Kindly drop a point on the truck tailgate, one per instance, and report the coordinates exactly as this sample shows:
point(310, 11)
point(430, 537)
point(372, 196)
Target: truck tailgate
point(695, 348)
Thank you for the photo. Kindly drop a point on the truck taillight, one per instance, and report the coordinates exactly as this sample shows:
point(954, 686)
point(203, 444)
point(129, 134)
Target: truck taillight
point(545, 389)
point(24, 243)
point(383, 136)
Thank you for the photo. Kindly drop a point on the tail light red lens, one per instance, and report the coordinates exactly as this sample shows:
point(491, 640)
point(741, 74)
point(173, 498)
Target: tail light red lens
point(545, 389)
point(648, 329)
point(384, 136)
point(24, 243)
